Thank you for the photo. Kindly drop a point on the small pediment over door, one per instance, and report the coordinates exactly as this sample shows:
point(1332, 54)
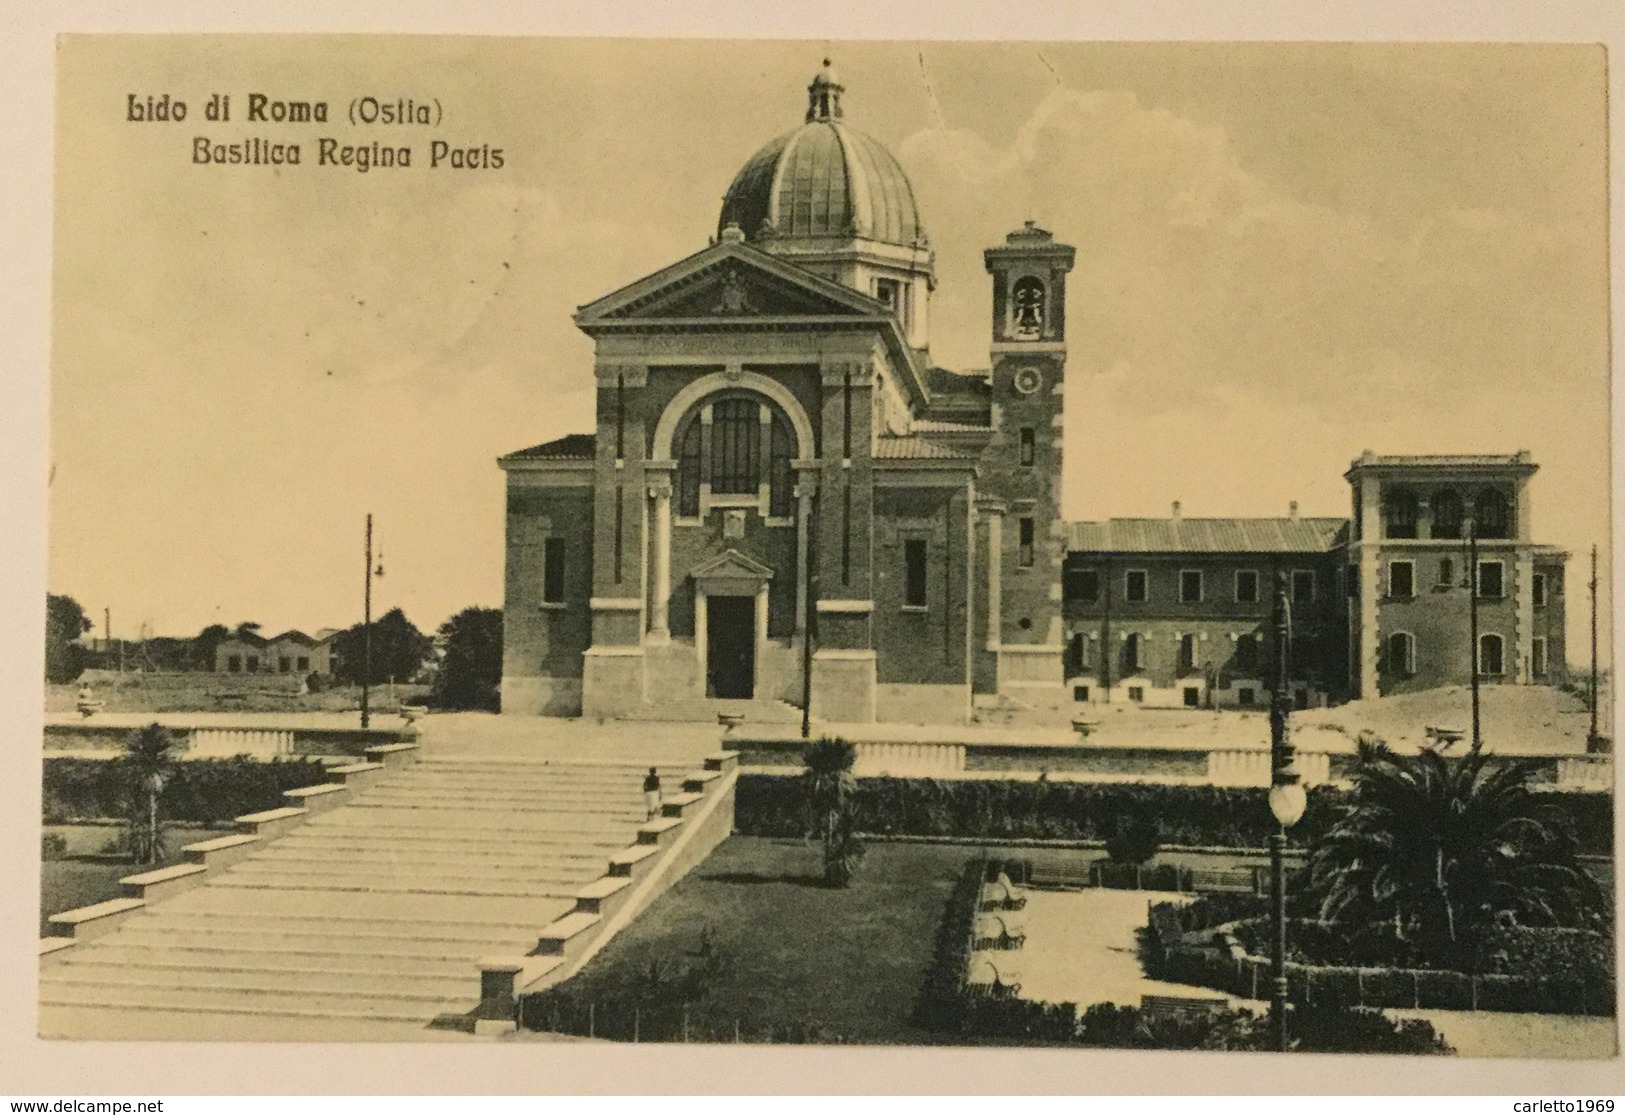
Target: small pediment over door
point(731, 573)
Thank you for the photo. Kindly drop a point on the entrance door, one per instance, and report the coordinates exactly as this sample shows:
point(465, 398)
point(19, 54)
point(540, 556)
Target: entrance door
point(730, 647)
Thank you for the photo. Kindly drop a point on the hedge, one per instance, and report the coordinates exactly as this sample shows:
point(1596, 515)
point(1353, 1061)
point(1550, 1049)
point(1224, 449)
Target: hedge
point(202, 791)
point(774, 805)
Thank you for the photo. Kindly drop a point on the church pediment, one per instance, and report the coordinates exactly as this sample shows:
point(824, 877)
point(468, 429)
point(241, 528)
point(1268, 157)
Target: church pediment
point(732, 566)
point(729, 281)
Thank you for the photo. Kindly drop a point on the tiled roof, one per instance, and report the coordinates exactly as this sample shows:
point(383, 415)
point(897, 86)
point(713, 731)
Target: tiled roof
point(915, 449)
point(1215, 536)
point(570, 447)
point(933, 426)
point(1442, 460)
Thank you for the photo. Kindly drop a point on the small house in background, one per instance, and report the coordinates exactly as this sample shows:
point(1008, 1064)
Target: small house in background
point(292, 652)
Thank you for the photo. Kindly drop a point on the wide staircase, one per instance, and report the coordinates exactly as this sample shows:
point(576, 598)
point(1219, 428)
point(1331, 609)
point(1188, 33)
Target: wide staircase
point(378, 910)
point(759, 710)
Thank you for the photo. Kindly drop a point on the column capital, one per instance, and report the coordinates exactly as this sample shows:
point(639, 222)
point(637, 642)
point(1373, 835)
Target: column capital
point(659, 486)
point(987, 505)
point(835, 373)
point(630, 373)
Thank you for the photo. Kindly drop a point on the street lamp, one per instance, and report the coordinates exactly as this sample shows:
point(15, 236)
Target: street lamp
point(1287, 802)
point(366, 626)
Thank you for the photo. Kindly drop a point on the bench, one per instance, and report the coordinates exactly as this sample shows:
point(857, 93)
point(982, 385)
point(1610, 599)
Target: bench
point(1177, 1008)
point(1070, 876)
point(1238, 881)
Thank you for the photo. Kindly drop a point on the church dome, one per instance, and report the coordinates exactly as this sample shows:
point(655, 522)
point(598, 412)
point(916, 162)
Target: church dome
point(823, 180)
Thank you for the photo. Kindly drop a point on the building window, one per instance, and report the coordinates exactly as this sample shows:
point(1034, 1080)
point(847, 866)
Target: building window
point(1078, 652)
point(1190, 586)
point(1537, 657)
point(1134, 586)
point(736, 433)
point(688, 471)
point(1136, 693)
point(253, 664)
point(1083, 585)
point(1489, 580)
point(234, 664)
point(1246, 586)
point(303, 664)
point(1447, 574)
point(1537, 587)
point(1401, 654)
point(1489, 655)
point(1303, 586)
point(1448, 513)
point(1193, 697)
point(1024, 556)
point(1134, 651)
point(1245, 697)
point(1247, 653)
point(284, 665)
point(1399, 513)
point(1492, 514)
point(1080, 692)
point(1401, 580)
point(553, 571)
point(914, 573)
point(889, 292)
point(1027, 307)
point(1352, 581)
point(1187, 652)
point(1029, 448)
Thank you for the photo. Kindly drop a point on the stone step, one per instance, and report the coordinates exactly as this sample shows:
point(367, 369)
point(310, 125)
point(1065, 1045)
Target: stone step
point(539, 843)
point(367, 885)
point(327, 873)
point(411, 987)
point(138, 957)
point(428, 855)
point(384, 949)
point(274, 926)
point(528, 909)
point(97, 919)
point(294, 1004)
point(587, 814)
point(555, 801)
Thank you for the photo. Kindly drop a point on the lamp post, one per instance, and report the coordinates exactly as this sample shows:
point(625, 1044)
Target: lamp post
point(366, 627)
point(1287, 802)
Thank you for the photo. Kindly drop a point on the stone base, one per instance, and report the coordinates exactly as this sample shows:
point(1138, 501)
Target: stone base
point(541, 696)
point(843, 686)
point(923, 704)
point(612, 681)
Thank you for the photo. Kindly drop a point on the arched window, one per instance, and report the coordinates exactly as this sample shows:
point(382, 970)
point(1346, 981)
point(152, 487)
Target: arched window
point(1489, 655)
point(1027, 306)
point(1399, 513)
point(1448, 513)
point(1492, 514)
point(736, 455)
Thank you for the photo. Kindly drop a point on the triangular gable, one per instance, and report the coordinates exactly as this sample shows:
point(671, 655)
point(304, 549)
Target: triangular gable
point(729, 280)
point(732, 565)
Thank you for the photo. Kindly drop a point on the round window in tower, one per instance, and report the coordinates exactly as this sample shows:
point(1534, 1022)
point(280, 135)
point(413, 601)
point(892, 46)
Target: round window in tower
point(1028, 380)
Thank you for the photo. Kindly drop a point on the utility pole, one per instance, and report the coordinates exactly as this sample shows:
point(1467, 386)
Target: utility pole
point(1593, 740)
point(1472, 619)
point(1287, 801)
point(810, 594)
point(107, 634)
point(366, 629)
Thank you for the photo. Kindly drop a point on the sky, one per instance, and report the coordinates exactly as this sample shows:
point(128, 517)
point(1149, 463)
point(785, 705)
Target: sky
point(1286, 254)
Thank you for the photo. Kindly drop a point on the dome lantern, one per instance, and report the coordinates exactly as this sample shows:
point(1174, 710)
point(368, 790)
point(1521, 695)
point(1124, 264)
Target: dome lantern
point(824, 95)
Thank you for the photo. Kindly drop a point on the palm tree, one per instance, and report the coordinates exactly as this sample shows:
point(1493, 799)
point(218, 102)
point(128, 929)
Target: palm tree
point(831, 800)
point(1439, 850)
point(149, 758)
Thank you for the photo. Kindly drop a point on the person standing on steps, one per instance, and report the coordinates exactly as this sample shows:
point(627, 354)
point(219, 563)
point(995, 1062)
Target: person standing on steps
point(651, 793)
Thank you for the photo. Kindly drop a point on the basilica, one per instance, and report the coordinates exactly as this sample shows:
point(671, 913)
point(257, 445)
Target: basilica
point(784, 501)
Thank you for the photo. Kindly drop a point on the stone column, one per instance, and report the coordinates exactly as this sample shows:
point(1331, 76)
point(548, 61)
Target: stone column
point(806, 488)
point(995, 576)
point(659, 602)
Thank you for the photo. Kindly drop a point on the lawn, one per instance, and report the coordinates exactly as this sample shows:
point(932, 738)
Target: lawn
point(794, 954)
point(88, 873)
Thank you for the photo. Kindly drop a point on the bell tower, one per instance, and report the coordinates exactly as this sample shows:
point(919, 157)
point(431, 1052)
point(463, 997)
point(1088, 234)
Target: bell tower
point(1020, 481)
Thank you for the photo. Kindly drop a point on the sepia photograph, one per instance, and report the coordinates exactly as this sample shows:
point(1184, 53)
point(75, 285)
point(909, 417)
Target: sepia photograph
point(1024, 545)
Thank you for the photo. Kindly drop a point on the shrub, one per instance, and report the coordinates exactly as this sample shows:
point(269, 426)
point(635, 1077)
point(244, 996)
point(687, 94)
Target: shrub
point(1134, 841)
point(200, 791)
point(53, 845)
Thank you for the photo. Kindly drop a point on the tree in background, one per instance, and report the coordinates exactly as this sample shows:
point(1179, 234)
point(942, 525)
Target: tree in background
point(398, 650)
point(65, 621)
point(149, 760)
point(832, 806)
point(470, 675)
point(206, 643)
